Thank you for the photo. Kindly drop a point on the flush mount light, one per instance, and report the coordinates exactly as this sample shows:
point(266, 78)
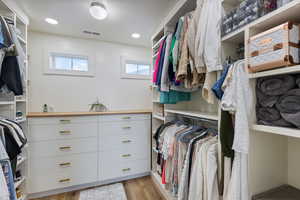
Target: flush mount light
point(136, 35)
point(51, 21)
point(98, 10)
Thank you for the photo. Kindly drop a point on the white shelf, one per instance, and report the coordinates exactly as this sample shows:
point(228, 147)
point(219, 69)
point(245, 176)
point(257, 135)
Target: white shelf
point(284, 70)
point(211, 116)
point(7, 102)
point(21, 120)
point(156, 101)
point(277, 130)
point(20, 100)
point(157, 181)
point(288, 12)
point(158, 117)
point(20, 182)
point(236, 36)
point(21, 161)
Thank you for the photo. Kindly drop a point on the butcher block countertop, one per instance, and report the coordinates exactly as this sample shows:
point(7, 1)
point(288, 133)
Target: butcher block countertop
point(72, 114)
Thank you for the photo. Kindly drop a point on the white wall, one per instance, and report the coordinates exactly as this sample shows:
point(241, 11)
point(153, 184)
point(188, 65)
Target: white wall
point(71, 93)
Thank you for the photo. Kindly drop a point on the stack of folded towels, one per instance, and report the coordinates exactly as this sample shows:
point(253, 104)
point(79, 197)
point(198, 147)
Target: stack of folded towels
point(278, 101)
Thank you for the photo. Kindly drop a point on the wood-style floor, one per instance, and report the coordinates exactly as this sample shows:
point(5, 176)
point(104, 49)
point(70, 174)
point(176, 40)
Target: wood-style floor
point(136, 189)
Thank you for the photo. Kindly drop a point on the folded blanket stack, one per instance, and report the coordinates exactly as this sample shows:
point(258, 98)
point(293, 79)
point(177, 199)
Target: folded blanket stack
point(278, 101)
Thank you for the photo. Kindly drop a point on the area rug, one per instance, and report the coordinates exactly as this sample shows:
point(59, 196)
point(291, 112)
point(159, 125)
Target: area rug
point(108, 192)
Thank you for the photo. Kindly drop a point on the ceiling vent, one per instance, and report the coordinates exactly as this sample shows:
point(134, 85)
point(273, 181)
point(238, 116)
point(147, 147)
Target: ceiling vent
point(91, 33)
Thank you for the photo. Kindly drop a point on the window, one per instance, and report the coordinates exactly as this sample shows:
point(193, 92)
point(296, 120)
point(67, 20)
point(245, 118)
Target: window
point(136, 69)
point(67, 64)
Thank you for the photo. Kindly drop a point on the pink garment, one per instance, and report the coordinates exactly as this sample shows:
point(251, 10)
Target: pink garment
point(157, 62)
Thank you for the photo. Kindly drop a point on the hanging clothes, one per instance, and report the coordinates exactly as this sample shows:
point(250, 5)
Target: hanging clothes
point(10, 74)
point(238, 98)
point(4, 192)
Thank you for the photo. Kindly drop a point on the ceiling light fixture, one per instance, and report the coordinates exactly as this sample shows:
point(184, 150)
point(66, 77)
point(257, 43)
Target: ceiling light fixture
point(98, 10)
point(51, 21)
point(136, 35)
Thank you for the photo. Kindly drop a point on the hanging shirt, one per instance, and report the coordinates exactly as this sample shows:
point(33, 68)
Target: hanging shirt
point(4, 193)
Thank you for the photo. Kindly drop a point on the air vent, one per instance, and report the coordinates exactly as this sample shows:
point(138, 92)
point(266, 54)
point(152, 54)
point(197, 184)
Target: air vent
point(91, 33)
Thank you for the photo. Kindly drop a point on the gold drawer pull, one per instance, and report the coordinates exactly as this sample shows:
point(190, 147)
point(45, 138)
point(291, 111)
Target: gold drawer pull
point(127, 127)
point(65, 121)
point(65, 164)
point(64, 180)
point(65, 132)
point(126, 141)
point(65, 148)
point(126, 170)
point(126, 155)
point(126, 117)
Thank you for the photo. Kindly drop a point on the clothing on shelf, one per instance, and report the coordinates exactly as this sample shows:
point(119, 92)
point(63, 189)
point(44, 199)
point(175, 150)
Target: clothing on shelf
point(182, 158)
point(189, 57)
point(278, 101)
point(12, 60)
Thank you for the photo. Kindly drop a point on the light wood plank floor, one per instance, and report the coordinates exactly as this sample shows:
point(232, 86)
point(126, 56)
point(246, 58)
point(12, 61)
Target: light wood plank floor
point(136, 189)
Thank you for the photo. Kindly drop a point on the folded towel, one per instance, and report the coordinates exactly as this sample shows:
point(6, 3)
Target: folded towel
point(279, 123)
point(270, 117)
point(276, 85)
point(265, 100)
point(289, 106)
point(268, 114)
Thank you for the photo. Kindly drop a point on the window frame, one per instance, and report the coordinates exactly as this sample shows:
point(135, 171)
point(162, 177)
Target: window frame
point(49, 70)
point(125, 75)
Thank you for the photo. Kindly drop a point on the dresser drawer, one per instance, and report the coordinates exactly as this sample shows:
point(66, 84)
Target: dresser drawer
point(62, 147)
point(124, 142)
point(124, 117)
point(116, 134)
point(54, 173)
point(118, 170)
point(132, 153)
point(44, 132)
point(62, 120)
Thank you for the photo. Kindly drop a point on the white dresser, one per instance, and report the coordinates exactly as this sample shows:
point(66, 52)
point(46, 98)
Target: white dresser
point(80, 150)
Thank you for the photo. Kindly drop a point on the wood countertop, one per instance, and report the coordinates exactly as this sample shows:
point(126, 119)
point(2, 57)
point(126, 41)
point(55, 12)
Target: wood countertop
point(72, 114)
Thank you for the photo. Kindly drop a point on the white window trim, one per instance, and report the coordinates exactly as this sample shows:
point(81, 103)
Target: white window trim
point(50, 71)
point(124, 75)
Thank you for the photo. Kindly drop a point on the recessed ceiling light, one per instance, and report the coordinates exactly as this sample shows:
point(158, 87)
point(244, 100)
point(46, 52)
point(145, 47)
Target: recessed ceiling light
point(51, 21)
point(98, 10)
point(136, 35)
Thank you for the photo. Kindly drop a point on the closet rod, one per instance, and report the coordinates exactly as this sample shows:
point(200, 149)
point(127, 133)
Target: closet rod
point(198, 118)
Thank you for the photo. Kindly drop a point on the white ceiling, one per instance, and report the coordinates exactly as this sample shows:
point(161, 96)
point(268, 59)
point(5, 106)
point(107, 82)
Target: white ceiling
point(125, 17)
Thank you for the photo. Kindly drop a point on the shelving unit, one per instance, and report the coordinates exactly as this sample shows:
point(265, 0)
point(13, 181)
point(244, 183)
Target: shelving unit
point(290, 132)
point(285, 70)
point(194, 114)
point(159, 117)
point(273, 156)
point(10, 105)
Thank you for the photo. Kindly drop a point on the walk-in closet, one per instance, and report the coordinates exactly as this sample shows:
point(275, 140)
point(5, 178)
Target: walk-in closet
point(149, 99)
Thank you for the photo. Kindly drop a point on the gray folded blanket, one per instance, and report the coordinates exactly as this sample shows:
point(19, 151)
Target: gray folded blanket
point(276, 85)
point(270, 117)
point(265, 100)
point(289, 107)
